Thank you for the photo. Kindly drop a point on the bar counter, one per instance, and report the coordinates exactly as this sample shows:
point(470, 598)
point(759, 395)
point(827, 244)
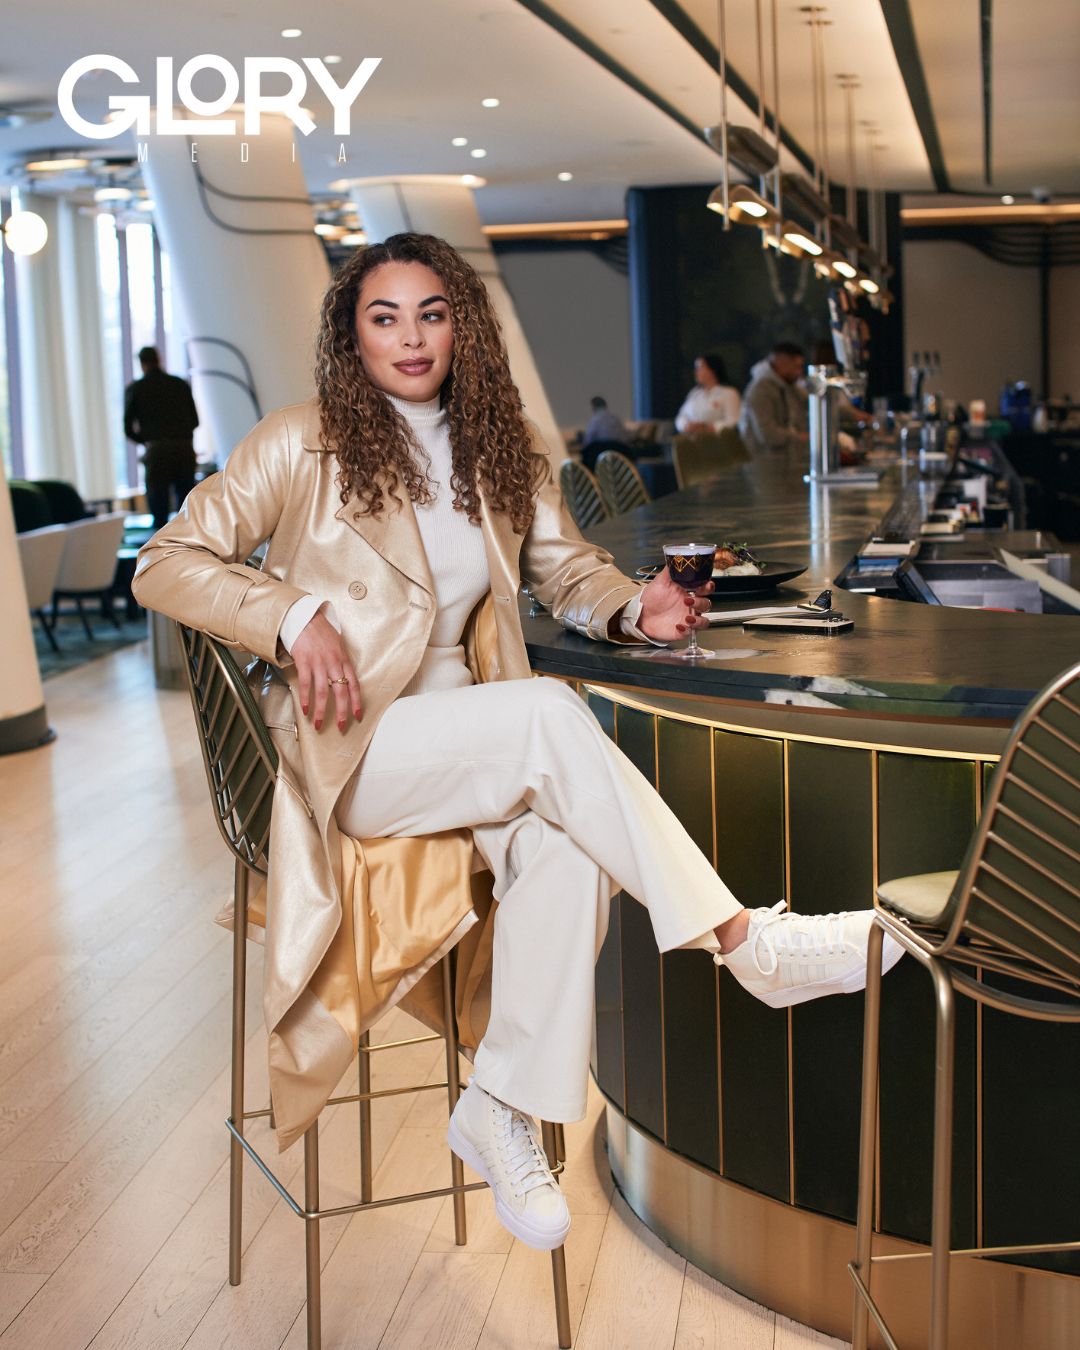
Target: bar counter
point(814, 768)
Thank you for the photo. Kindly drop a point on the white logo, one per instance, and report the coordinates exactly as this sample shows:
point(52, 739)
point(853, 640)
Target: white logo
point(134, 109)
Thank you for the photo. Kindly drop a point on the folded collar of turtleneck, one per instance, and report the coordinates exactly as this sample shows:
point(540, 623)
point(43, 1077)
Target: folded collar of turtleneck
point(429, 412)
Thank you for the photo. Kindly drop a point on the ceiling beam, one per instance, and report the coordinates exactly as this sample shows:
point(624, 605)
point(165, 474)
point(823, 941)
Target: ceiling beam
point(906, 49)
point(592, 49)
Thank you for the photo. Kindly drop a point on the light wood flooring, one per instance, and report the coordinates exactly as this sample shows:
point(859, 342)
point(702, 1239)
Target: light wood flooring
point(114, 1011)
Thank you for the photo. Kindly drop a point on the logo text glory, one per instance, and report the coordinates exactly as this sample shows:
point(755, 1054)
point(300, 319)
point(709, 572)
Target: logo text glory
point(133, 110)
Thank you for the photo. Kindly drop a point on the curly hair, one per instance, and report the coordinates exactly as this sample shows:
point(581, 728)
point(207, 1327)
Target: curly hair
point(492, 445)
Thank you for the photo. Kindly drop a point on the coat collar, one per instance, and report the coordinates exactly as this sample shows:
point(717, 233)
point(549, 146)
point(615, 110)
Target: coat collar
point(395, 535)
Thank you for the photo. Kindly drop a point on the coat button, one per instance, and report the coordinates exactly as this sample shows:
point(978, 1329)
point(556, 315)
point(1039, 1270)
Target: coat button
point(357, 590)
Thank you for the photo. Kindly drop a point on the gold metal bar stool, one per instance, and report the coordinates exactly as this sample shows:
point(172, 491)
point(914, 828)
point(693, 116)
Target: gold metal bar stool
point(241, 768)
point(1012, 913)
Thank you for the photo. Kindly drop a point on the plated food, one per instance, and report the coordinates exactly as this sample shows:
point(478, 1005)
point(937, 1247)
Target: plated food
point(736, 560)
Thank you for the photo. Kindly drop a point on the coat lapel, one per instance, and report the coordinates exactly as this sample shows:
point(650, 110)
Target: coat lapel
point(394, 533)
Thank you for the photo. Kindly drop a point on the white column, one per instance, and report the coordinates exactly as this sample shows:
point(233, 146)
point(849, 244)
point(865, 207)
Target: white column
point(448, 209)
point(247, 269)
point(65, 415)
point(23, 720)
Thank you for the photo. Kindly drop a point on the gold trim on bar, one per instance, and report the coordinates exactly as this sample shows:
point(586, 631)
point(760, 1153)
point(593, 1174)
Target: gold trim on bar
point(616, 695)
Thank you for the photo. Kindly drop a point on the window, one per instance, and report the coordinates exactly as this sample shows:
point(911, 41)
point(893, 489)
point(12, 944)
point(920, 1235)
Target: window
point(112, 340)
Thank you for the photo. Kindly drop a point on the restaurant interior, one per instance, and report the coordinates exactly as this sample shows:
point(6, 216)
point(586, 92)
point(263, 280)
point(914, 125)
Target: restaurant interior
point(798, 281)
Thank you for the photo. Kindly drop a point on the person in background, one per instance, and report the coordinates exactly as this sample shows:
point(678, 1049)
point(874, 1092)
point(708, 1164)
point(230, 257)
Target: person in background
point(603, 425)
point(774, 403)
point(159, 412)
point(713, 403)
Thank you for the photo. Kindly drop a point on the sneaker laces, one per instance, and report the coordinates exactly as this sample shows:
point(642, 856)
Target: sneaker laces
point(805, 935)
point(524, 1160)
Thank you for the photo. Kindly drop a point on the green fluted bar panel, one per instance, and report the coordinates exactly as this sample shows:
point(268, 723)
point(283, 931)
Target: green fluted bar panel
point(607, 1058)
point(926, 814)
point(642, 1004)
point(690, 1065)
point(832, 868)
point(753, 1038)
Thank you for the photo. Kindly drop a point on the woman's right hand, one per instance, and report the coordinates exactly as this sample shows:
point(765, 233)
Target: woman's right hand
point(322, 667)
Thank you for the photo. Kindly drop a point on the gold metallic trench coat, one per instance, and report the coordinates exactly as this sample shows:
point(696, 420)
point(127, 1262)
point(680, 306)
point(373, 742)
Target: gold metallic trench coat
point(350, 926)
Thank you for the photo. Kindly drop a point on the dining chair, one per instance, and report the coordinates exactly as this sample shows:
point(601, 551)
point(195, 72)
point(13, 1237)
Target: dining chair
point(620, 483)
point(581, 492)
point(241, 766)
point(1003, 930)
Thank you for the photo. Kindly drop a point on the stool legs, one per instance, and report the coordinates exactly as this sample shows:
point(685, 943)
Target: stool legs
point(453, 1087)
point(236, 1104)
point(868, 1130)
point(941, 1215)
point(558, 1256)
point(364, 1080)
point(312, 1261)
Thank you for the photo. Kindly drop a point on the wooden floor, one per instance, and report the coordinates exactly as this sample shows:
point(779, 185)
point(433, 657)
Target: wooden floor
point(114, 1009)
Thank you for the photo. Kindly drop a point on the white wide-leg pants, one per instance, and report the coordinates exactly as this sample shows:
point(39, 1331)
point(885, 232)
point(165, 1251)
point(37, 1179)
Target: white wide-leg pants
point(563, 820)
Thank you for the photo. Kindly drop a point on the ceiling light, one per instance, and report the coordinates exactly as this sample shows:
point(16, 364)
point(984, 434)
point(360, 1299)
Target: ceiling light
point(751, 152)
point(290, 32)
point(565, 176)
point(489, 103)
point(145, 205)
point(328, 231)
point(745, 206)
point(1008, 199)
point(460, 140)
point(353, 239)
point(801, 240)
point(332, 60)
point(25, 232)
point(869, 285)
point(57, 164)
point(113, 194)
point(803, 196)
point(845, 268)
point(470, 180)
point(478, 153)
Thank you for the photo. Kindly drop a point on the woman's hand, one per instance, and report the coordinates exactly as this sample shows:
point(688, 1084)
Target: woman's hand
point(668, 612)
point(323, 667)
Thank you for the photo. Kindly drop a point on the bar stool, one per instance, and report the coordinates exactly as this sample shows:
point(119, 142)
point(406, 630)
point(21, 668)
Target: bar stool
point(241, 769)
point(621, 485)
point(1012, 911)
point(581, 493)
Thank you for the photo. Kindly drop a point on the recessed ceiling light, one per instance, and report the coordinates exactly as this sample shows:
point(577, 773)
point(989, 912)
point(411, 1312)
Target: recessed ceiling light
point(489, 103)
point(57, 165)
point(332, 60)
point(478, 153)
point(353, 239)
point(565, 177)
point(113, 194)
point(290, 32)
point(1008, 199)
point(460, 140)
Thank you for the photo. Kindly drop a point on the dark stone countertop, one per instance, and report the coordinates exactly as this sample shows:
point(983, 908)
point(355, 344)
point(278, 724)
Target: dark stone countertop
point(902, 659)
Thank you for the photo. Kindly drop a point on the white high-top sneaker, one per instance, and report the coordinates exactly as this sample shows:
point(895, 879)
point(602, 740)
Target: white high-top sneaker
point(503, 1147)
point(792, 958)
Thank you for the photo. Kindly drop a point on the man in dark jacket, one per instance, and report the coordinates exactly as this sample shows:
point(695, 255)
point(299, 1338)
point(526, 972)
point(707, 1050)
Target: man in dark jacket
point(159, 411)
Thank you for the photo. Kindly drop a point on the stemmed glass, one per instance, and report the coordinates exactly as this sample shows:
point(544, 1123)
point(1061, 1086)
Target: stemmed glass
point(691, 566)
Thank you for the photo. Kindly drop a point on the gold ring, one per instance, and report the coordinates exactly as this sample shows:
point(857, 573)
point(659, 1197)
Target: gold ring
point(341, 679)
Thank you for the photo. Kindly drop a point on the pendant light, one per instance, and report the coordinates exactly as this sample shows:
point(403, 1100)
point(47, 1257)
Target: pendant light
point(744, 207)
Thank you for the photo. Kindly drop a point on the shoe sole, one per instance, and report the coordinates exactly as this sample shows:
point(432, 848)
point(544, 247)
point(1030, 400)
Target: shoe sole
point(852, 983)
point(512, 1222)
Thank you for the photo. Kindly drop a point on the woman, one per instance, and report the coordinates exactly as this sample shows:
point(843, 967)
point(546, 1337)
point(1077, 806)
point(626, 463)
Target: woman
point(712, 404)
point(404, 504)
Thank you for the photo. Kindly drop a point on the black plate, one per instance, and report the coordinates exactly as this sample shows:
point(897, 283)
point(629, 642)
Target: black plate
point(773, 574)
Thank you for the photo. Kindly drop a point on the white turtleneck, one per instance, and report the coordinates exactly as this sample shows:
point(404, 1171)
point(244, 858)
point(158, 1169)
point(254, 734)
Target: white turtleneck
point(456, 558)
